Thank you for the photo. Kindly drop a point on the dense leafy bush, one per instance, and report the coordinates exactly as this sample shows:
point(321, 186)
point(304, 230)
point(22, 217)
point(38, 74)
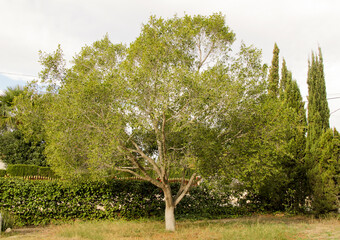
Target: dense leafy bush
point(22, 170)
point(38, 202)
point(15, 149)
point(46, 172)
point(3, 172)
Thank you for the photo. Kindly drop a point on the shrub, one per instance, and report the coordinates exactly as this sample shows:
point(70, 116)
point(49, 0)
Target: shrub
point(7, 221)
point(46, 172)
point(22, 170)
point(39, 202)
point(3, 172)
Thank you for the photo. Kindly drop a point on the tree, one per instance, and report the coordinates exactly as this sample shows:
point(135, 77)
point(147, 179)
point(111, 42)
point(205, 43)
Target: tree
point(273, 78)
point(325, 174)
point(318, 111)
point(296, 139)
point(7, 118)
point(16, 147)
point(322, 173)
point(144, 109)
point(274, 177)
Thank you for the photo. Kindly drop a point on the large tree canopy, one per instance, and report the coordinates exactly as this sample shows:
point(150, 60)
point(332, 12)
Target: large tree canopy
point(167, 104)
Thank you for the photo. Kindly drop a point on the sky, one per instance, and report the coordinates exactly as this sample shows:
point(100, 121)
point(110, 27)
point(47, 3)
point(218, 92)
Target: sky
point(297, 26)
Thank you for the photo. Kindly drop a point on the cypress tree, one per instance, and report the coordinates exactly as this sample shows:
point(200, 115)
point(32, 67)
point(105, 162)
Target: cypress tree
point(324, 176)
point(273, 78)
point(318, 111)
point(322, 143)
point(284, 79)
point(295, 139)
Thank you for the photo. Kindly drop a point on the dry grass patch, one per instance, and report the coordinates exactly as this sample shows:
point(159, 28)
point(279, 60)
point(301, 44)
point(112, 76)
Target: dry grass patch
point(254, 228)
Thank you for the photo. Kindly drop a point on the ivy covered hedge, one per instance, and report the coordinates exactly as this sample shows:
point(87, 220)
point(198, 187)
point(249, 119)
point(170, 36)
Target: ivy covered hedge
point(40, 202)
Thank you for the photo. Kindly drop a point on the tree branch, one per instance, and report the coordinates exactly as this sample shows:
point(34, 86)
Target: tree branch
point(182, 193)
point(163, 149)
point(153, 181)
point(149, 159)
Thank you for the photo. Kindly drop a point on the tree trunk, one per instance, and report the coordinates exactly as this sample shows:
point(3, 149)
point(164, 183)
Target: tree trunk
point(170, 224)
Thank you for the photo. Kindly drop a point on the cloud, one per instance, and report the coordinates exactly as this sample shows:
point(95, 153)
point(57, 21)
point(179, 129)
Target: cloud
point(298, 27)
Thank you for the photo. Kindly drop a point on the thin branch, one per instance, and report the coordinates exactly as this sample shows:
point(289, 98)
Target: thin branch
point(149, 159)
point(178, 112)
point(206, 57)
point(153, 181)
point(180, 195)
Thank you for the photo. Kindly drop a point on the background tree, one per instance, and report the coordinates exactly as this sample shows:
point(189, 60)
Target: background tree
point(296, 140)
point(274, 78)
point(14, 147)
point(275, 178)
point(318, 111)
point(322, 150)
point(325, 174)
point(7, 120)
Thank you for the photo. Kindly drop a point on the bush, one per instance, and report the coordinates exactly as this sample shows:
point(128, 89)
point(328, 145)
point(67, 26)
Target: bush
point(3, 172)
point(22, 170)
point(46, 172)
point(40, 202)
point(8, 220)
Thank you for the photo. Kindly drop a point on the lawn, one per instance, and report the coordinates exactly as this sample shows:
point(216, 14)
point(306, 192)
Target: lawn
point(255, 228)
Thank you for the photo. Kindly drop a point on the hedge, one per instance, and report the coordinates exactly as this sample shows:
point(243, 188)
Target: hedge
point(3, 172)
point(23, 170)
point(40, 202)
point(46, 172)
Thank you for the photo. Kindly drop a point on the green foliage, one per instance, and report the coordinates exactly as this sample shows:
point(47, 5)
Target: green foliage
point(325, 173)
point(8, 220)
point(273, 78)
point(268, 157)
point(46, 172)
point(322, 150)
point(295, 190)
point(14, 149)
point(7, 118)
point(16, 145)
point(39, 202)
point(3, 172)
point(318, 111)
point(21, 170)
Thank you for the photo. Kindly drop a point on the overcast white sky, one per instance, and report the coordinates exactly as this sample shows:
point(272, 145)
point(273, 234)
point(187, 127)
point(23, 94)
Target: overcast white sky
point(297, 26)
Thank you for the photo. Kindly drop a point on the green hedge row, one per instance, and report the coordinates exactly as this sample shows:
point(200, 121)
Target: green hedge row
point(22, 170)
point(40, 202)
point(3, 172)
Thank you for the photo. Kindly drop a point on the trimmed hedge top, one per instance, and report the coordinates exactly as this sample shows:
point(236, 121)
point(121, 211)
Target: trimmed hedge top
point(23, 170)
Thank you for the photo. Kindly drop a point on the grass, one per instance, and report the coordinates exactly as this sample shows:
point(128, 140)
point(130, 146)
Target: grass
point(255, 228)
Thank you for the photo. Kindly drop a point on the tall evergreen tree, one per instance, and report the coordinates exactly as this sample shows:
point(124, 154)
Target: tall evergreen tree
point(273, 78)
point(318, 111)
point(284, 78)
point(322, 143)
point(325, 174)
point(296, 139)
